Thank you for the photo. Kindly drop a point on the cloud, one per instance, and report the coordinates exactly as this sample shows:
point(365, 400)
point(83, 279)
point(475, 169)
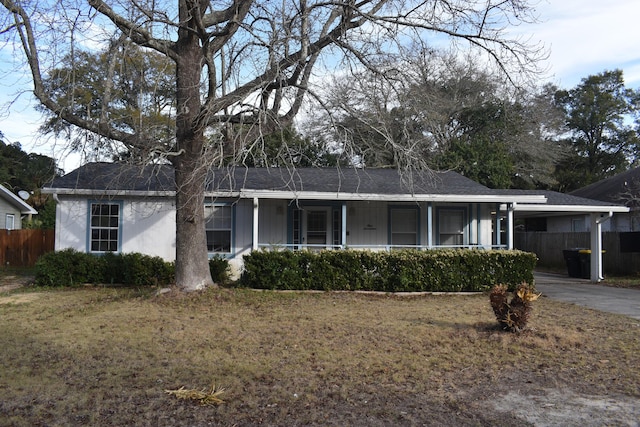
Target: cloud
point(587, 37)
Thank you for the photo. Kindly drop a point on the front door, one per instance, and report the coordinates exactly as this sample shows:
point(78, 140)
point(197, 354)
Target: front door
point(318, 233)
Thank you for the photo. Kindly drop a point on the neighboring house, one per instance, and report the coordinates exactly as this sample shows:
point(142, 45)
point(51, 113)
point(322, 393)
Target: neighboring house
point(576, 228)
point(104, 207)
point(624, 189)
point(12, 210)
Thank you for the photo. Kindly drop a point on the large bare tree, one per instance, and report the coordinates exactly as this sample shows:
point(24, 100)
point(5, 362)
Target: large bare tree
point(242, 69)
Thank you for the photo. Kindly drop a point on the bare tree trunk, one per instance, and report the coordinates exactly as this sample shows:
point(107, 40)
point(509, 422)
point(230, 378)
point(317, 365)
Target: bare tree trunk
point(192, 266)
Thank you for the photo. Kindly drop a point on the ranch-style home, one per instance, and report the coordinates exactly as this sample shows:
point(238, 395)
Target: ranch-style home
point(107, 207)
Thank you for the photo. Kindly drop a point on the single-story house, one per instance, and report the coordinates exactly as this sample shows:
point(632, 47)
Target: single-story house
point(12, 210)
point(624, 189)
point(105, 207)
point(575, 228)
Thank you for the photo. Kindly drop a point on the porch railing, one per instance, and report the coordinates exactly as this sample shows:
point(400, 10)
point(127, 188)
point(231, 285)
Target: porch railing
point(304, 246)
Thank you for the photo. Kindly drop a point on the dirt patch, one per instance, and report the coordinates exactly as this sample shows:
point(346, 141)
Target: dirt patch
point(554, 407)
point(19, 299)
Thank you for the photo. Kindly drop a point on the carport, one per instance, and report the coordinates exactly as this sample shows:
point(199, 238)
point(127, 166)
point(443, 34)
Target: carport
point(560, 204)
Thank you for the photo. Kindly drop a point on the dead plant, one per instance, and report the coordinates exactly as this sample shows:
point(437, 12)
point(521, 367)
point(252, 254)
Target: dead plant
point(513, 316)
point(203, 397)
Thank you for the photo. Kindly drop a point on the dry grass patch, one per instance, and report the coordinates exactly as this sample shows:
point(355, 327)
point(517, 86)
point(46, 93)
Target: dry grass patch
point(106, 356)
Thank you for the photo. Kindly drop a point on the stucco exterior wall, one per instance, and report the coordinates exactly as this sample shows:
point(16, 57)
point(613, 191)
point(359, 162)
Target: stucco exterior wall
point(148, 226)
point(621, 222)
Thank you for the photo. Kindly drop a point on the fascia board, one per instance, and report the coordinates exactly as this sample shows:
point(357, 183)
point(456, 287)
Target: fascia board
point(570, 208)
point(24, 207)
point(107, 193)
point(315, 195)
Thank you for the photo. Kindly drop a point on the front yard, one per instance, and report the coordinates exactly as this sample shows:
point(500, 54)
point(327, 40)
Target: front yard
point(104, 356)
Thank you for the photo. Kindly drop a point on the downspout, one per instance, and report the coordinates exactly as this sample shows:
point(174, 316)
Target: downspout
point(254, 242)
point(57, 227)
point(596, 245)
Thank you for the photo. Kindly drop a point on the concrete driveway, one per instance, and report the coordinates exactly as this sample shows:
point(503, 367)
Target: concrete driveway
point(583, 292)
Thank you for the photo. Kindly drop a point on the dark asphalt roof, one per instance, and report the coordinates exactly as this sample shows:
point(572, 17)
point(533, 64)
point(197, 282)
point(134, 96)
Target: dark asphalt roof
point(562, 199)
point(609, 189)
point(102, 177)
point(119, 177)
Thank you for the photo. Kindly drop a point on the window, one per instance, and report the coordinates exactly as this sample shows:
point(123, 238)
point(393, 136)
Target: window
point(404, 227)
point(219, 225)
point(104, 227)
point(10, 222)
point(578, 225)
point(451, 227)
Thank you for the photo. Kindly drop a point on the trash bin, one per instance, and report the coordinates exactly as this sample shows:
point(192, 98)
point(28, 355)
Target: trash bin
point(585, 263)
point(584, 256)
point(578, 262)
point(573, 260)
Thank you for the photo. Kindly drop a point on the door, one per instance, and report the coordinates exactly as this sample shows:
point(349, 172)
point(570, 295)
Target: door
point(318, 230)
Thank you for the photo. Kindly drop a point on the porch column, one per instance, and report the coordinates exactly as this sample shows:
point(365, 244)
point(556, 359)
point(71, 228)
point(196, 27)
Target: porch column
point(429, 225)
point(496, 230)
point(510, 208)
point(596, 245)
point(343, 238)
point(254, 239)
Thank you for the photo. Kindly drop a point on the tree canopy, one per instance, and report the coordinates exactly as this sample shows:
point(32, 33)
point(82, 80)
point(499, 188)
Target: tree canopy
point(28, 172)
point(444, 112)
point(599, 115)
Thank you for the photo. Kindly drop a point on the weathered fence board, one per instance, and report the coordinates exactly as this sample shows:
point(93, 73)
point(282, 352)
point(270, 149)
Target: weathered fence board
point(22, 248)
point(549, 246)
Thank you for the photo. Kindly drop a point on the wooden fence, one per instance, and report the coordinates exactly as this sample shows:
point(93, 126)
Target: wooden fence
point(549, 246)
point(22, 248)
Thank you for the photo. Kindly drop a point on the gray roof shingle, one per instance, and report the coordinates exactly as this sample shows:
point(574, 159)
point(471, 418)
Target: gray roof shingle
point(119, 177)
point(610, 189)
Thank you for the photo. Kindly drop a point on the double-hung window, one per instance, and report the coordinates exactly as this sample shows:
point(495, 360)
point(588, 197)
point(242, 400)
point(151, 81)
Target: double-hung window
point(403, 226)
point(104, 224)
point(451, 222)
point(219, 227)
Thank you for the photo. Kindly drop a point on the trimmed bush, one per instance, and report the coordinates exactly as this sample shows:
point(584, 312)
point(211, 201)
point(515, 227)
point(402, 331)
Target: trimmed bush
point(445, 270)
point(68, 268)
point(219, 268)
point(72, 268)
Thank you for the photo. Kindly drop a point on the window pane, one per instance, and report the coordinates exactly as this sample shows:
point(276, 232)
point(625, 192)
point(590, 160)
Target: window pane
point(451, 221)
point(404, 239)
point(218, 224)
point(451, 225)
point(404, 221)
point(105, 222)
point(404, 227)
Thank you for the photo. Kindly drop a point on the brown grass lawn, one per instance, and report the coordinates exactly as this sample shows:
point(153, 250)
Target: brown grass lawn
point(105, 356)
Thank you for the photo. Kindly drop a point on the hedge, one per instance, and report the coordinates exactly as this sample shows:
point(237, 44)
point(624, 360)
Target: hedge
point(442, 270)
point(72, 268)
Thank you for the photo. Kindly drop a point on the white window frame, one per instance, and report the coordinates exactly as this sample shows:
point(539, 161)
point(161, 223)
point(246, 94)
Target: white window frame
point(211, 228)
point(104, 229)
point(10, 222)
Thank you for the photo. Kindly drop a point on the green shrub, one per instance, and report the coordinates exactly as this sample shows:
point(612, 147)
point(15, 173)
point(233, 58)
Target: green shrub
point(68, 268)
point(219, 268)
point(397, 271)
point(71, 268)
